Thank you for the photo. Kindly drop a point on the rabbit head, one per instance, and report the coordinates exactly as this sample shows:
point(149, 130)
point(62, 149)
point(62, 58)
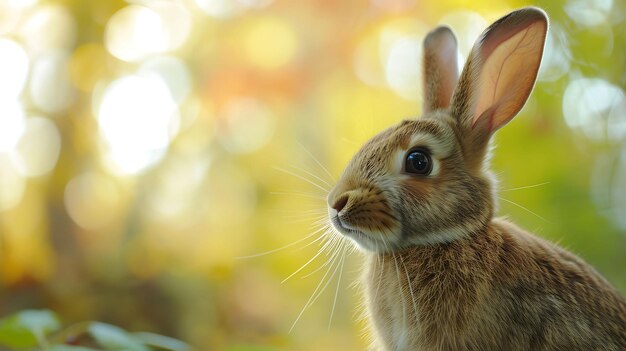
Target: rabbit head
point(426, 180)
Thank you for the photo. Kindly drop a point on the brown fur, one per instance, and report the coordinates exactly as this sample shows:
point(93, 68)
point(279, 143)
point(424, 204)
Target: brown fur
point(441, 272)
point(500, 289)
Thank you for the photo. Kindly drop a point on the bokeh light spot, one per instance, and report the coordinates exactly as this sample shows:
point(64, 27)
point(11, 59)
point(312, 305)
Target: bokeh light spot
point(13, 70)
point(50, 87)
point(175, 22)
point(137, 118)
point(50, 27)
point(589, 12)
point(135, 32)
point(38, 150)
point(220, 8)
point(403, 67)
point(173, 72)
point(11, 123)
point(11, 12)
point(595, 107)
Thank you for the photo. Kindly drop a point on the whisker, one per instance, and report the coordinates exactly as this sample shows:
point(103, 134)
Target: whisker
point(523, 208)
point(282, 247)
point(401, 290)
point(318, 163)
point(336, 242)
point(307, 263)
point(524, 187)
point(410, 288)
point(332, 311)
point(311, 298)
point(325, 190)
point(308, 195)
point(305, 218)
point(331, 276)
point(313, 175)
point(380, 275)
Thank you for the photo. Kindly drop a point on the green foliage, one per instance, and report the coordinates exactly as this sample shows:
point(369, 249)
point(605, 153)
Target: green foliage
point(27, 328)
point(42, 330)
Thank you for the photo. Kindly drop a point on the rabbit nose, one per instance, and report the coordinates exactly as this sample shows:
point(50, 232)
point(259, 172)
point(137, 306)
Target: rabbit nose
point(341, 203)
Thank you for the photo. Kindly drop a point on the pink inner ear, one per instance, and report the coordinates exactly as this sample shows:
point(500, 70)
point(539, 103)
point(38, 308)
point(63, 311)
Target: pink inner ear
point(510, 61)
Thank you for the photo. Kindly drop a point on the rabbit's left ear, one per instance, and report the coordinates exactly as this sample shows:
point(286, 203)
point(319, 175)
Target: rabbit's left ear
point(500, 73)
point(440, 67)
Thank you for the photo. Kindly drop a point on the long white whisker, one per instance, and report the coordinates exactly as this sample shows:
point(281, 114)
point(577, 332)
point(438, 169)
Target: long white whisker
point(280, 248)
point(307, 195)
point(311, 298)
point(318, 162)
point(380, 275)
point(524, 187)
point(325, 235)
point(522, 207)
point(331, 276)
point(307, 263)
point(401, 291)
point(332, 311)
point(313, 175)
point(410, 289)
point(325, 190)
point(330, 249)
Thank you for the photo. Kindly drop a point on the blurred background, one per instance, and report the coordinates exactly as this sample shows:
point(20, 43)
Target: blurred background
point(146, 146)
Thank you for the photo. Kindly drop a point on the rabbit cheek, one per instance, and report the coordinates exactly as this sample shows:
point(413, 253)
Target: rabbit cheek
point(368, 212)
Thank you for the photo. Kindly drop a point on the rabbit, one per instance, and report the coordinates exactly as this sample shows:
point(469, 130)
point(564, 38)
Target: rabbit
point(441, 272)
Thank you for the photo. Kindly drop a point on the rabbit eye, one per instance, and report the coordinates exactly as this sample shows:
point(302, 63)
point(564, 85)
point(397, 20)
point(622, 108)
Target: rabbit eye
point(418, 162)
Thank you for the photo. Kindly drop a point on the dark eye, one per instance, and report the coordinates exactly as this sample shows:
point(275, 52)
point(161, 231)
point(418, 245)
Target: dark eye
point(418, 162)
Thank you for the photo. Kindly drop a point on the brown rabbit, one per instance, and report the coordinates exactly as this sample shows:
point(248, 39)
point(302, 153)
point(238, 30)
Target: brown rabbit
point(441, 272)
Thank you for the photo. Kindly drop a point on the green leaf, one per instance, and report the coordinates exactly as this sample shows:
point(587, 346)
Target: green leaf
point(114, 338)
point(70, 348)
point(250, 348)
point(162, 342)
point(25, 328)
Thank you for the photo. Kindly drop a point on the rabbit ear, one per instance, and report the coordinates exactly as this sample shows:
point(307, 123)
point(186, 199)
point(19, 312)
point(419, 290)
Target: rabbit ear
point(500, 73)
point(441, 71)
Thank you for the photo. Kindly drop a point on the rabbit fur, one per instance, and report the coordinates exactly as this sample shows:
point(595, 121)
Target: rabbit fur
point(441, 273)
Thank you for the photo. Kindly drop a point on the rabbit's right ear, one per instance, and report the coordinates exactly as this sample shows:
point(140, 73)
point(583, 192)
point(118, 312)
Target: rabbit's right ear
point(498, 77)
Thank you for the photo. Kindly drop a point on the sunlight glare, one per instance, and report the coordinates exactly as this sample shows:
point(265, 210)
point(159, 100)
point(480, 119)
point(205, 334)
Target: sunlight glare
point(13, 70)
point(403, 68)
point(135, 32)
point(49, 27)
point(174, 73)
point(12, 123)
point(137, 119)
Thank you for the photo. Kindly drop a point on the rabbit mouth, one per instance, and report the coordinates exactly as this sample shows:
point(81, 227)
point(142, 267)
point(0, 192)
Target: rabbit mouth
point(358, 236)
point(345, 229)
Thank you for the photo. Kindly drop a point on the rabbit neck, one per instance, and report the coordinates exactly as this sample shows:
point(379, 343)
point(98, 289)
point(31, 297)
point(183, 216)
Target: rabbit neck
point(418, 295)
